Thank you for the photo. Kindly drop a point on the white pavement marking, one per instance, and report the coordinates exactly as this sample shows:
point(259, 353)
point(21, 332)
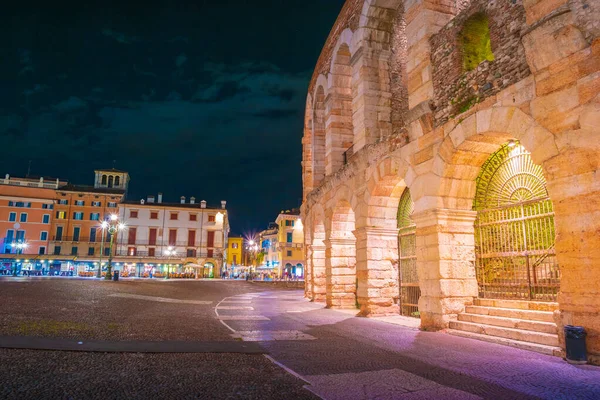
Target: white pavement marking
point(235, 308)
point(236, 302)
point(159, 299)
point(266, 336)
point(243, 318)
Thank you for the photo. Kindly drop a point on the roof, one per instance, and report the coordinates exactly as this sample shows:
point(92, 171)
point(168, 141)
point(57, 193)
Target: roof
point(111, 170)
point(172, 205)
point(89, 189)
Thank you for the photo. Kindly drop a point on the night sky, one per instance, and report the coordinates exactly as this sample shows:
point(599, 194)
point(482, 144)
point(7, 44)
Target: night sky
point(193, 98)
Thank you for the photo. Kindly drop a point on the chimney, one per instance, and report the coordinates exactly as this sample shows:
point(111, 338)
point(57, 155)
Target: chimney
point(41, 184)
point(182, 199)
point(223, 204)
point(150, 199)
point(142, 201)
point(192, 200)
point(203, 204)
point(160, 197)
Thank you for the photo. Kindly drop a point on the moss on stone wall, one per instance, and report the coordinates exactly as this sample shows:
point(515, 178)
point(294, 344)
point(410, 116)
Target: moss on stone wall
point(475, 39)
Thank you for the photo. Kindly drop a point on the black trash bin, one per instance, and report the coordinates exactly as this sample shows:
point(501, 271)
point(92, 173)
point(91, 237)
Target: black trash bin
point(115, 275)
point(575, 343)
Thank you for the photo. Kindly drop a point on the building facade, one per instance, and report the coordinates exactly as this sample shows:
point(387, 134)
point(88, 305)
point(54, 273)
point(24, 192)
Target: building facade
point(189, 235)
point(79, 211)
point(235, 244)
point(282, 246)
point(450, 167)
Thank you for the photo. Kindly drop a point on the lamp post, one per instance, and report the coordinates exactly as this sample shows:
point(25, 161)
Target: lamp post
point(252, 248)
point(113, 227)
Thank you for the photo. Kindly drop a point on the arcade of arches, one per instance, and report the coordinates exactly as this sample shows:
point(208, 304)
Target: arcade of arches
point(466, 194)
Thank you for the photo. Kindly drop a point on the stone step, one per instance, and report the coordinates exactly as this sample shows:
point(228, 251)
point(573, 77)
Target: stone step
point(531, 315)
point(547, 339)
point(540, 348)
point(515, 323)
point(519, 304)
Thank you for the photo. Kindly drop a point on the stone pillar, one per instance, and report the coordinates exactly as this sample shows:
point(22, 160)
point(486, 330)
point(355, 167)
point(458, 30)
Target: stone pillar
point(319, 279)
point(339, 132)
point(308, 277)
point(424, 18)
point(445, 264)
point(377, 271)
point(340, 261)
point(372, 117)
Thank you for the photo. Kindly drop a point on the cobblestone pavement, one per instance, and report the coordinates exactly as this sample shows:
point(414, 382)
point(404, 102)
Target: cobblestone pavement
point(130, 310)
point(344, 357)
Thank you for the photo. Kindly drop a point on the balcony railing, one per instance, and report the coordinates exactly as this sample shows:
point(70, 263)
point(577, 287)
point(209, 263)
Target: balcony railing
point(291, 245)
point(80, 239)
point(158, 254)
point(178, 243)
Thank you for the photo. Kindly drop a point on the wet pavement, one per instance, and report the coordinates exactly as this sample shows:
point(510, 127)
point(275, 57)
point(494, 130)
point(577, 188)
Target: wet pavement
point(281, 347)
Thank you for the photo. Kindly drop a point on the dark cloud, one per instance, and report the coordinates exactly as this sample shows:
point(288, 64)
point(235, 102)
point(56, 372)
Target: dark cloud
point(200, 99)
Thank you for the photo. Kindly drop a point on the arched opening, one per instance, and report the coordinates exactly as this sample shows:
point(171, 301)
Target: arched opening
point(340, 132)
point(104, 180)
point(117, 180)
point(110, 181)
point(475, 41)
point(340, 258)
point(299, 271)
point(407, 258)
point(318, 145)
point(209, 270)
point(514, 229)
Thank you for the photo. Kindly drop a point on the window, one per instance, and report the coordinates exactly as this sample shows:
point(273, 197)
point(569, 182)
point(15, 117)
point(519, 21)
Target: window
point(475, 40)
point(47, 206)
point(78, 216)
point(103, 180)
point(80, 203)
point(43, 236)
point(94, 216)
point(74, 250)
point(59, 232)
point(191, 238)
point(289, 237)
point(92, 235)
point(173, 216)
point(57, 250)
point(287, 222)
point(76, 232)
point(42, 250)
point(153, 215)
point(28, 205)
point(209, 253)
point(193, 217)
point(151, 252)
point(63, 201)
point(61, 214)
point(289, 253)
point(11, 203)
point(191, 253)
point(23, 217)
point(133, 214)
point(131, 251)
point(172, 237)
point(211, 218)
point(132, 232)
point(234, 246)
point(19, 204)
point(12, 217)
point(112, 204)
point(46, 219)
point(91, 251)
point(96, 204)
point(106, 251)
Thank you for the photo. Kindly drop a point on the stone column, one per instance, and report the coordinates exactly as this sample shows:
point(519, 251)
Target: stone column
point(445, 264)
point(319, 280)
point(308, 277)
point(372, 117)
point(339, 134)
point(424, 18)
point(377, 270)
point(340, 261)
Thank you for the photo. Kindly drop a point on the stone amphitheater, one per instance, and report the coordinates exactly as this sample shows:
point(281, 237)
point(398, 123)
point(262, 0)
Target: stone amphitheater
point(451, 167)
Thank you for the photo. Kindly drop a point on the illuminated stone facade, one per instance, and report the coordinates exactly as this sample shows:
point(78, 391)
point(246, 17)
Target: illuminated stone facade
point(391, 107)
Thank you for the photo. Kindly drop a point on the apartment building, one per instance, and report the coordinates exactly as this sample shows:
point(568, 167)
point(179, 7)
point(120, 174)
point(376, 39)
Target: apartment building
point(282, 244)
point(188, 235)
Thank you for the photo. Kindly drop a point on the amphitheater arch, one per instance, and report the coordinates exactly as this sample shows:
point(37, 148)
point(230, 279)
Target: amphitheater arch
point(307, 148)
point(318, 236)
point(318, 136)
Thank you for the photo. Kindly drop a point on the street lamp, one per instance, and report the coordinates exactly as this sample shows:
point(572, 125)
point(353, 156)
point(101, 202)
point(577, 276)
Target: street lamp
point(20, 246)
point(253, 249)
point(113, 227)
point(102, 226)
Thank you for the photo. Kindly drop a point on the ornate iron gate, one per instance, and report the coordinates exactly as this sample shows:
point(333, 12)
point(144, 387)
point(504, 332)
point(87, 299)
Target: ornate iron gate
point(514, 229)
point(407, 258)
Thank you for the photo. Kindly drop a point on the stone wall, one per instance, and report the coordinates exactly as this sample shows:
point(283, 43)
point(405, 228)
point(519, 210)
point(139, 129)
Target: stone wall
point(457, 90)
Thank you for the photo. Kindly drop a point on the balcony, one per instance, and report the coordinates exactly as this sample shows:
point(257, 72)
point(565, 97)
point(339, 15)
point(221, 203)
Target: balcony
point(218, 254)
point(287, 245)
point(80, 239)
point(138, 242)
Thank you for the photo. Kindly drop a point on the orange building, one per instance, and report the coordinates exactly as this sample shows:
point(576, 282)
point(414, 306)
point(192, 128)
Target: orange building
point(26, 207)
point(79, 211)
